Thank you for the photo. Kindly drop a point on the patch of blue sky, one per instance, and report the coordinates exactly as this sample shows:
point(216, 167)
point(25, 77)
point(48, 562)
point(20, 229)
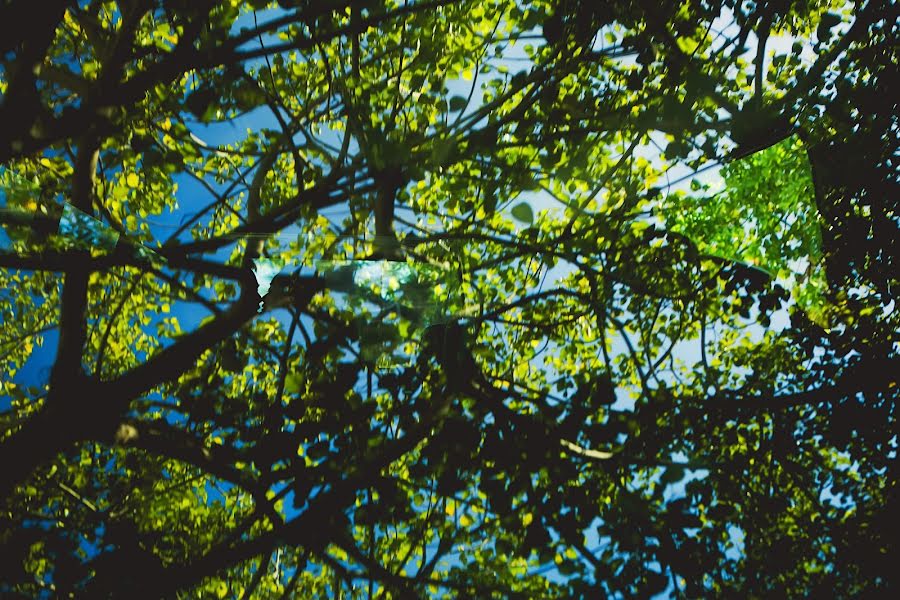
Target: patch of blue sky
point(36, 370)
point(258, 18)
point(217, 492)
point(86, 231)
point(5, 241)
point(734, 545)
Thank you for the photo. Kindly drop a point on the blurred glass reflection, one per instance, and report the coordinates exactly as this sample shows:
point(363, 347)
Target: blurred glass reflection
point(393, 302)
point(84, 231)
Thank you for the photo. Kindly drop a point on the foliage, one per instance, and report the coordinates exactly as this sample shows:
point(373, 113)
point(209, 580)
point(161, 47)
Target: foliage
point(639, 380)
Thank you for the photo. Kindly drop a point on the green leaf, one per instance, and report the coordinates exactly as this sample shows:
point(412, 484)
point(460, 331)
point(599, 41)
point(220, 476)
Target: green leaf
point(490, 199)
point(672, 474)
point(457, 103)
point(221, 589)
point(442, 151)
point(292, 383)
point(523, 212)
point(200, 101)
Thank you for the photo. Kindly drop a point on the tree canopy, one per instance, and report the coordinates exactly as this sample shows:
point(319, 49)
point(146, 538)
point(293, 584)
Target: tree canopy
point(450, 298)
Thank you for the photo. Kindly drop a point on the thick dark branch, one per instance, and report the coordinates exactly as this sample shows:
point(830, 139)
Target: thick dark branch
point(51, 431)
point(255, 245)
point(40, 439)
point(317, 197)
point(161, 438)
point(863, 379)
point(72, 326)
point(33, 26)
point(170, 362)
point(55, 261)
point(71, 260)
point(760, 62)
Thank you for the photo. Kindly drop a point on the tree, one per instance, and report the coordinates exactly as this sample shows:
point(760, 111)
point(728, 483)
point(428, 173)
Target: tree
point(561, 373)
